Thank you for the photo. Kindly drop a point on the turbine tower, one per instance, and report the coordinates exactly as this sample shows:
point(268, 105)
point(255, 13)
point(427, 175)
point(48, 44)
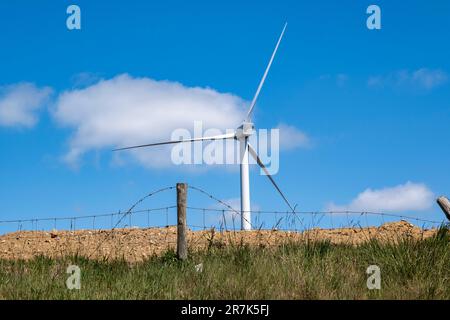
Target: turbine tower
point(241, 134)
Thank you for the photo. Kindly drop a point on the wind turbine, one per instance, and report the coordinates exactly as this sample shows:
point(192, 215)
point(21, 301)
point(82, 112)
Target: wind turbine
point(241, 134)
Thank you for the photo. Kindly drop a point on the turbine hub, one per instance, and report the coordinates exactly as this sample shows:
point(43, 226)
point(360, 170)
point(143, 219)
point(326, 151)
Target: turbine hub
point(245, 130)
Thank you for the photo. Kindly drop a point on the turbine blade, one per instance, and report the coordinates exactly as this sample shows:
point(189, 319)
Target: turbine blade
point(252, 105)
point(218, 137)
point(258, 160)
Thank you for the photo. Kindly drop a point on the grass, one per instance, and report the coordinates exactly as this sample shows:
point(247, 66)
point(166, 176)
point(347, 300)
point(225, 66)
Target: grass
point(312, 270)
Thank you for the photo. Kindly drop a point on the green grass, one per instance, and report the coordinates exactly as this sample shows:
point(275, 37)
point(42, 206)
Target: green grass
point(320, 270)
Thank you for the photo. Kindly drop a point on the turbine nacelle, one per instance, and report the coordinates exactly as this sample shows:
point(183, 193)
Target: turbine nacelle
point(246, 129)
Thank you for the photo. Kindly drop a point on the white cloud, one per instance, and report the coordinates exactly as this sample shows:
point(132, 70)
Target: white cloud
point(406, 197)
point(292, 138)
point(19, 104)
point(125, 111)
point(423, 78)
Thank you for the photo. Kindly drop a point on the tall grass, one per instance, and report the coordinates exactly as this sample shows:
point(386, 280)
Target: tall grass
point(410, 269)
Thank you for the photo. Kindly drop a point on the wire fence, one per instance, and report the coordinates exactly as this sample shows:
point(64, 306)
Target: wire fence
point(219, 215)
point(137, 233)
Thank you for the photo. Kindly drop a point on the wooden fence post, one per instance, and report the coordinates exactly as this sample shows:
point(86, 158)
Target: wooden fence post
point(181, 221)
point(445, 206)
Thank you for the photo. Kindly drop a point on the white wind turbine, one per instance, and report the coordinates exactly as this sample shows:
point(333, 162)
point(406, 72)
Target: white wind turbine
point(241, 134)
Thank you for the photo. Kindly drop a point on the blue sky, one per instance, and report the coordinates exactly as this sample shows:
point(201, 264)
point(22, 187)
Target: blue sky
point(374, 104)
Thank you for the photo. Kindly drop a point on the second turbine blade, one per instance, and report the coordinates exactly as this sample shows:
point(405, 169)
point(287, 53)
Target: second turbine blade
point(218, 137)
point(258, 160)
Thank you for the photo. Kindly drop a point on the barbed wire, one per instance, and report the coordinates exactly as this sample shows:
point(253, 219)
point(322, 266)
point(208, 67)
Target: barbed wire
point(208, 210)
point(68, 218)
point(108, 242)
point(140, 200)
point(222, 203)
point(205, 210)
point(131, 209)
point(295, 212)
point(206, 193)
point(320, 213)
